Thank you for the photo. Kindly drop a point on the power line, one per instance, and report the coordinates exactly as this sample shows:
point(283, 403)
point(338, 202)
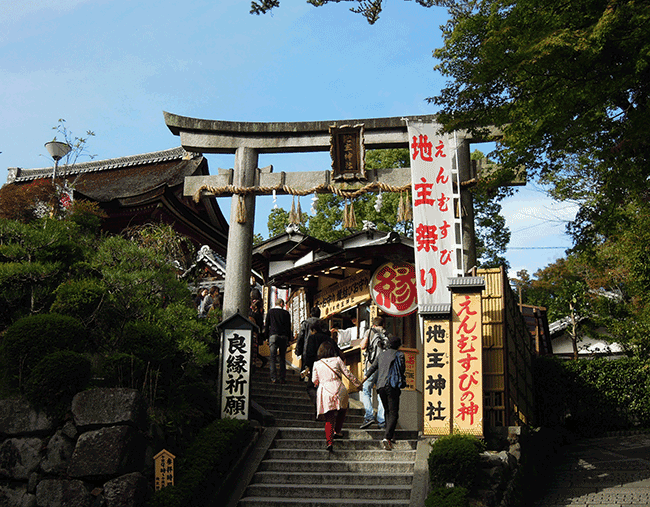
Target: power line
point(537, 247)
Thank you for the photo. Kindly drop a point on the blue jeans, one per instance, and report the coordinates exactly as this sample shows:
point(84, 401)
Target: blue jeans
point(366, 399)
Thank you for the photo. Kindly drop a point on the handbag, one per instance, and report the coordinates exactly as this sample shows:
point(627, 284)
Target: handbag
point(264, 349)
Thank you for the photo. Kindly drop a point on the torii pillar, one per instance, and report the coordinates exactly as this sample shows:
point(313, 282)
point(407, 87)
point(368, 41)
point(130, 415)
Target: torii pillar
point(246, 140)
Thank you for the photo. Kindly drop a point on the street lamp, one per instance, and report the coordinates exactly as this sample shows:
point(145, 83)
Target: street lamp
point(57, 151)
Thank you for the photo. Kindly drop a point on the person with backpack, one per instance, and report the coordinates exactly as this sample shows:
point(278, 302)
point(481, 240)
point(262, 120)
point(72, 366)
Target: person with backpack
point(390, 368)
point(301, 345)
point(373, 342)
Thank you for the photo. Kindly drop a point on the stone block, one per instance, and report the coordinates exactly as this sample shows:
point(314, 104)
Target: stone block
point(18, 418)
point(106, 452)
point(16, 497)
point(58, 453)
point(19, 457)
point(108, 407)
point(62, 493)
point(129, 490)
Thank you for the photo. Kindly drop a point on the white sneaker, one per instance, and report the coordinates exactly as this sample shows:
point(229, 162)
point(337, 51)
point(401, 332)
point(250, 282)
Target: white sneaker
point(387, 445)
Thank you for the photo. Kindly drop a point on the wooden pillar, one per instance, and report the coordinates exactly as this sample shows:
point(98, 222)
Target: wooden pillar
point(467, 205)
point(236, 296)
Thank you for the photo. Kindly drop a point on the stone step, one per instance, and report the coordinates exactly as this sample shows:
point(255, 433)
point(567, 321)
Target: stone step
point(341, 478)
point(333, 466)
point(313, 502)
point(350, 491)
point(348, 433)
point(341, 454)
point(342, 444)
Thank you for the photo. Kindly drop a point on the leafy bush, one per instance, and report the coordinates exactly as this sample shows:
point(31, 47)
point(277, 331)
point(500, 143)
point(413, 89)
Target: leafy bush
point(455, 459)
point(56, 379)
point(30, 339)
point(122, 370)
point(593, 396)
point(79, 298)
point(148, 342)
point(206, 465)
point(447, 497)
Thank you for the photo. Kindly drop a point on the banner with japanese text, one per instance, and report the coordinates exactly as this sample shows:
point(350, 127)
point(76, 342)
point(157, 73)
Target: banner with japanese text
point(235, 386)
point(436, 235)
point(437, 377)
point(467, 363)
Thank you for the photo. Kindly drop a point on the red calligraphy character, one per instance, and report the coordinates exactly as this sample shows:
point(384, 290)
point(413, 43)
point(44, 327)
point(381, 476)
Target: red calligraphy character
point(445, 256)
point(442, 178)
point(462, 345)
point(422, 147)
point(439, 148)
point(462, 327)
point(444, 229)
point(465, 307)
point(466, 362)
point(423, 191)
point(396, 286)
point(467, 395)
point(434, 280)
point(465, 381)
point(443, 203)
point(426, 237)
point(468, 410)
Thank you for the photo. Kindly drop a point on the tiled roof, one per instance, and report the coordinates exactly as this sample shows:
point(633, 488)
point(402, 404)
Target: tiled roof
point(19, 175)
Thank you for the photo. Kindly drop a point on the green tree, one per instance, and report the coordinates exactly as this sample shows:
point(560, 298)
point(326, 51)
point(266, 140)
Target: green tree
point(567, 83)
point(369, 9)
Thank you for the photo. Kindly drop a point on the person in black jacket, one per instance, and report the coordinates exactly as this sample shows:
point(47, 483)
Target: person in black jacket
point(318, 334)
point(391, 379)
point(278, 329)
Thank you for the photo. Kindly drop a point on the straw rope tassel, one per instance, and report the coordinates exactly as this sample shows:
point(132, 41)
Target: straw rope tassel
point(352, 217)
point(241, 210)
point(292, 213)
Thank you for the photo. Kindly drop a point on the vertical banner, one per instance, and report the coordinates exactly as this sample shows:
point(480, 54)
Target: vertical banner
point(435, 236)
point(235, 386)
point(437, 377)
point(410, 358)
point(467, 363)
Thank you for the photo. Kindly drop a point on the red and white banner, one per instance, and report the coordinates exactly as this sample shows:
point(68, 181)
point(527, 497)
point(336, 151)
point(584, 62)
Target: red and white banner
point(436, 226)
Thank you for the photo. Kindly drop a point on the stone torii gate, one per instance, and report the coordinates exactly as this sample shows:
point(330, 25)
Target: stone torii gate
point(248, 139)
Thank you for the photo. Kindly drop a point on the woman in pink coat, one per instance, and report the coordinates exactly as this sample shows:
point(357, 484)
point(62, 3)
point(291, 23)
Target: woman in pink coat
point(332, 396)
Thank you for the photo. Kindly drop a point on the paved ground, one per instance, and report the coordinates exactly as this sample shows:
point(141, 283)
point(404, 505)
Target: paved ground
point(605, 472)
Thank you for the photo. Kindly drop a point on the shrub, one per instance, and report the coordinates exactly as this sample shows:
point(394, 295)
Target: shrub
point(78, 298)
point(206, 465)
point(56, 379)
point(148, 342)
point(30, 339)
point(455, 459)
point(593, 396)
point(122, 370)
point(447, 497)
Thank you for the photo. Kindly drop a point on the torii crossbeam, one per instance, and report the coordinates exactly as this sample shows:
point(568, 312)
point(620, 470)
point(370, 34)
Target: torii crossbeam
point(248, 139)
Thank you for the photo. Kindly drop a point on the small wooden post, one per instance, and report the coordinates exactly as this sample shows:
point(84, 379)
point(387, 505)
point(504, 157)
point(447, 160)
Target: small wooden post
point(164, 469)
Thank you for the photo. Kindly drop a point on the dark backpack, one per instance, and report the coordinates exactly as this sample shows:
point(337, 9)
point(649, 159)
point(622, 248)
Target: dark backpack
point(395, 378)
point(377, 342)
point(303, 335)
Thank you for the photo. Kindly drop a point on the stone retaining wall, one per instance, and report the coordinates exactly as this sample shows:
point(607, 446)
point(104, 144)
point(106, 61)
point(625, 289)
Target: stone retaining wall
point(95, 458)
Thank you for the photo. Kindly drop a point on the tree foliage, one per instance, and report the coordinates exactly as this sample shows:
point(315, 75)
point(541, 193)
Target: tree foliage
point(567, 83)
point(369, 9)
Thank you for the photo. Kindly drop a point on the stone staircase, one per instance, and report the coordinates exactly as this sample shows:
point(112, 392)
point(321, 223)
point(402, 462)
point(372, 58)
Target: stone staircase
point(293, 467)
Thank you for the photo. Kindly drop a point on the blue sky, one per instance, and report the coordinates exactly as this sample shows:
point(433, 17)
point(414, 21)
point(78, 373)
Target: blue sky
point(114, 66)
